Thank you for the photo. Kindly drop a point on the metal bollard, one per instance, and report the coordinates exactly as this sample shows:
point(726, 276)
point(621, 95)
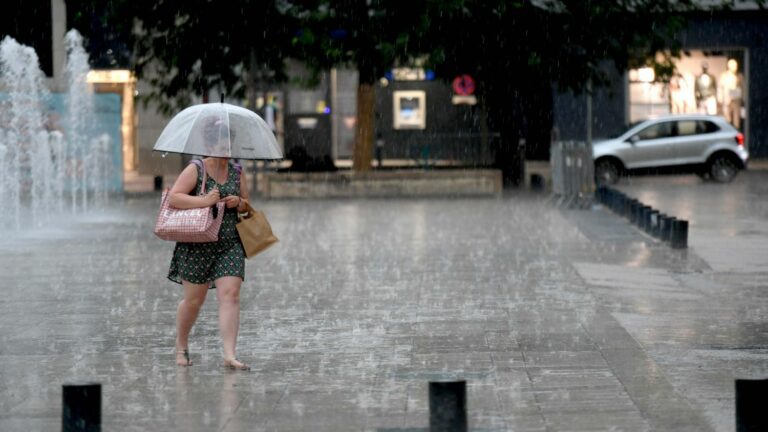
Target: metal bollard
point(666, 228)
point(628, 208)
point(653, 216)
point(158, 183)
point(614, 198)
point(537, 183)
point(620, 204)
point(656, 231)
point(634, 211)
point(448, 406)
point(679, 236)
point(600, 193)
point(642, 221)
point(81, 408)
point(638, 214)
point(750, 405)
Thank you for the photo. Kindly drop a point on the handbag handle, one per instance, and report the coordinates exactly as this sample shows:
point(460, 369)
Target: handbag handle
point(248, 212)
point(201, 165)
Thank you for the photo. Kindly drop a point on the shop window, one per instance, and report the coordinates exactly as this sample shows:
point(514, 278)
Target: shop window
point(709, 82)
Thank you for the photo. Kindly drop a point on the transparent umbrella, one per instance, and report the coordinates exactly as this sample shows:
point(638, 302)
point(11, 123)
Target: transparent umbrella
point(219, 130)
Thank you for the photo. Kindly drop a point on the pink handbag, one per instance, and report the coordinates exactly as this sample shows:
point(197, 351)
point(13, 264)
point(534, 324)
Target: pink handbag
point(195, 225)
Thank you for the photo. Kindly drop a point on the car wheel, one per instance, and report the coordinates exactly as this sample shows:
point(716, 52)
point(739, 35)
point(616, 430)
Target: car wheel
point(606, 172)
point(722, 169)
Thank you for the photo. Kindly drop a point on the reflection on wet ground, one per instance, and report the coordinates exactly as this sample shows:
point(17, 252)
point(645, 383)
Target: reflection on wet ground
point(559, 320)
point(727, 221)
point(713, 325)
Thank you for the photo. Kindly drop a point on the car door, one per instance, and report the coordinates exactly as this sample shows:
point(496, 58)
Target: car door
point(651, 146)
point(693, 139)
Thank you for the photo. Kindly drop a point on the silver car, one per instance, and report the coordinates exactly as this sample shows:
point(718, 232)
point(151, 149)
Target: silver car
point(704, 144)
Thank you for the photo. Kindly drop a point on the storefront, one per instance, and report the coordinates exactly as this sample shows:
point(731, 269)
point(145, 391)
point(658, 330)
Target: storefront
point(705, 82)
point(721, 71)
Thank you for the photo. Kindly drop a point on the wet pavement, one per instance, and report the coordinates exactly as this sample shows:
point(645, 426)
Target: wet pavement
point(558, 320)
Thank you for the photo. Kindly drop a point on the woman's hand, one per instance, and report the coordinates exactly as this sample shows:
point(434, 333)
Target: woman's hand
point(232, 201)
point(212, 197)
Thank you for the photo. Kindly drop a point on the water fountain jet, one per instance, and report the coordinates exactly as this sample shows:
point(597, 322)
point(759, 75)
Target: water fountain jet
point(43, 167)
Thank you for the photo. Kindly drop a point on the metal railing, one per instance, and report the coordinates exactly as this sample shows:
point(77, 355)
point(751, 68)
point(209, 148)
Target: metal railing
point(469, 149)
point(573, 173)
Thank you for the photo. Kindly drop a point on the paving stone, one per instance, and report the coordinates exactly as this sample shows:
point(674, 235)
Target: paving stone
point(557, 319)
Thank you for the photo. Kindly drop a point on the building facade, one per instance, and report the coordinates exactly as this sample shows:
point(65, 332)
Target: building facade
point(425, 121)
point(722, 71)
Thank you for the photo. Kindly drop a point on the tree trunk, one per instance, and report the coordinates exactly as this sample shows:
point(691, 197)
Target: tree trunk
point(252, 81)
point(504, 118)
point(362, 152)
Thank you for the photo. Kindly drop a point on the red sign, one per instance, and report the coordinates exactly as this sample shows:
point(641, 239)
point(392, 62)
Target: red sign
point(463, 85)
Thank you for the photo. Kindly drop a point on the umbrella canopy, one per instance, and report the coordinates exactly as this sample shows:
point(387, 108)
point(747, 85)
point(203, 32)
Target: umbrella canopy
point(219, 130)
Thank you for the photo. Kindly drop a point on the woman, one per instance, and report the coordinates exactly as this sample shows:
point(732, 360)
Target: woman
point(197, 265)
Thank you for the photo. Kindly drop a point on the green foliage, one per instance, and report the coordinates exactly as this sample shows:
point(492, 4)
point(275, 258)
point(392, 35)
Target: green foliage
point(370, 36)
point(184, 48)
point(561, 41)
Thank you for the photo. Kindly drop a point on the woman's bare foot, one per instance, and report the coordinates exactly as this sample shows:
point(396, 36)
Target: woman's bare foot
point(182, 358)
point(236, 364)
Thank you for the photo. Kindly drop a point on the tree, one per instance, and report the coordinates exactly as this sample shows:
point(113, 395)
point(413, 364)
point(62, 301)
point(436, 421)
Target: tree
point(517, 50)
point(370, 36)
point(184, 49)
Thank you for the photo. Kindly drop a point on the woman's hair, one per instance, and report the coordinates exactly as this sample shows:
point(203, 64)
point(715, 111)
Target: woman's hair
point(215, 129)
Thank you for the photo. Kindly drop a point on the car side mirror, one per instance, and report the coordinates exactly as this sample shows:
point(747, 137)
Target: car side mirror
point(633, 139)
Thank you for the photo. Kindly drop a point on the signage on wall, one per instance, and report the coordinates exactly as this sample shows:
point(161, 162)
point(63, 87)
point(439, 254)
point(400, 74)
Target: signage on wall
point(463, 89)
point(410, 74)
point(464, 85)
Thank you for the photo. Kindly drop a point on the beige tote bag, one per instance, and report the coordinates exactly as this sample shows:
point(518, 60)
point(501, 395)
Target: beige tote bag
point(255, 232)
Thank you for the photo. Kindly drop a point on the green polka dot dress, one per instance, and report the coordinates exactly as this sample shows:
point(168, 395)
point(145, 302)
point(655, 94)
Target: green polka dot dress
point(202, 263)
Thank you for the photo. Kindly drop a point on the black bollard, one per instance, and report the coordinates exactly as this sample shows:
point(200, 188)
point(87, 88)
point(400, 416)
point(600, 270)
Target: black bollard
point(666, 228)
point(448, 406)
point(679, 237)
point(620, 204)
point(642, 221)
point(158, 183)
point(750, 405)
point(613, 199)
point(81, 408)
point(634, 212)
point(653, 216)
point(628, 207)
point(656, 232)
point(537, 182)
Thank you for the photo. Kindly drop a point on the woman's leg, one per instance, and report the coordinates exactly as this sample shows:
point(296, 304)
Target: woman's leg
point(228, 294)
point(186, 314)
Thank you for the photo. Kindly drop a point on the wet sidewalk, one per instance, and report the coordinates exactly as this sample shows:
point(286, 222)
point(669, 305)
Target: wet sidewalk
point(558, 320)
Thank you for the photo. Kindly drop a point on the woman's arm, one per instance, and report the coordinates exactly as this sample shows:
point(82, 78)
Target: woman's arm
point(243, 191)
point(179, 195)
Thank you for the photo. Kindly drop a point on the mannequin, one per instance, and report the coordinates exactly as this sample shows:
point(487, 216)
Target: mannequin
point(706, 90)
point(730, 93)
point(678, 95)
